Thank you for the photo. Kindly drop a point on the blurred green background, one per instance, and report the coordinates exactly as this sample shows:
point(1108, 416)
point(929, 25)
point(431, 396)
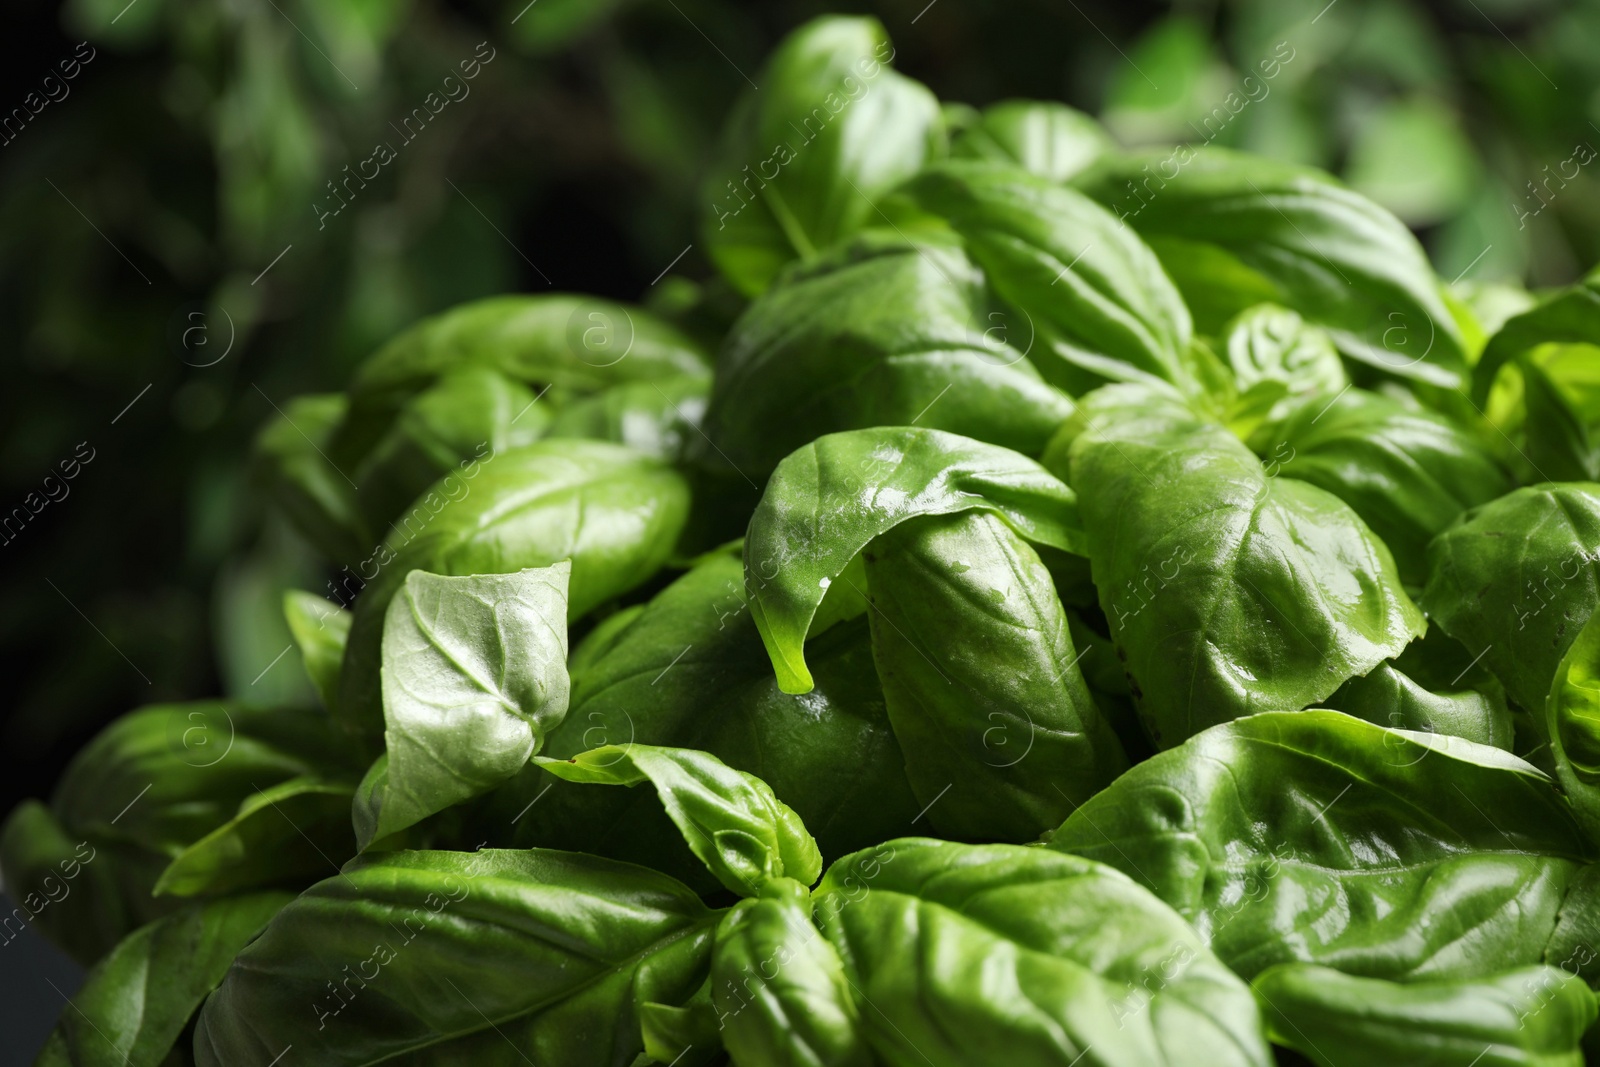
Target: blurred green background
point(168, 275)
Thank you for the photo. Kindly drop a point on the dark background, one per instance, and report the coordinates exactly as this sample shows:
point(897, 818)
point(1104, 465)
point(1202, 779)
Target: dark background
point(138, 214)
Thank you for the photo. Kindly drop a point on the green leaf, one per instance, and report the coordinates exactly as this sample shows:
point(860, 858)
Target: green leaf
point(731, 820)
point(1516, 579)
point(1044, 138)
point(1563, 441)
point(320, 629)
point(291, 832)
point(1233, 230)
point(1104, 308)
point(574, 343)
point(828, 500)
point(1572, 722)
point(1571, 316)
point(689, 671)
point(686, 1033)
point(1389, 697)
point(135, 1004)
point(474, 678)
point(615, 513)
point(83, 897)
point(1267, 343)
point(654, 417)
point(463, 957)
point(1407, 471)
point(1313, 836)
point(779, 988)
point(463, 416)
point(1529, 1017)
point(1228, 591)
point(318, 498)
point(964, 954)
point(980, 676)
point(882, 332)
point(164, 776)
point(804, 157)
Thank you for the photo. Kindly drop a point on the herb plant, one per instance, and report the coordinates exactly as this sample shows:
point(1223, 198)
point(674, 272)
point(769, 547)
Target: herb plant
point(1075, 613)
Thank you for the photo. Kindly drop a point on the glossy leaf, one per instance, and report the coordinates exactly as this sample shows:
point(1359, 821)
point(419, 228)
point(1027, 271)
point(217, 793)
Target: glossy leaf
point(1529, 1017)
point(1000, 735)
point(1407, 471)
point(613, 512)
point(1048, 139)
point(963, 954)
point(135, 1003)
point(467, 414)
point(1267, 343)
point(688, 670)
point(320, 629)
point(458, 957)
point(826, 128)
point(1234, 230)
point(1104, 308)
point(882, 332)
point(1389, 697)
point(295, 831)
point(828, 500)
point(731, 820)
point(1571, 316)
point(1228, 592)
point(1516, 579)
point(474, 678)
point(571, 342)
point(1315, 837)
point(653, 417)
point(1572, 722)
point(779, 988)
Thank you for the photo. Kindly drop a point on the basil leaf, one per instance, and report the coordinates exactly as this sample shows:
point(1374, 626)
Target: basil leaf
point(613, 512)
point(804, 157)
point(731, 820)
point(449, 957)
point(827, 501)
point(981, 679)
point(315, 495)
point(962, 954)
point(1571, 316)
point(1098, 296)
point(882, 332)
point(1315, 837)
point(1048, 139)
point(1228, 591)
point(470, 412)
point(163, 776)
point(84, 897)
point(689, 671)
point(683, 1033)
point(1268, 343)
point(1572, 722)
point(655, 417)
point(572, 342)
point(1516, 579)
point(135, 1003)
point(1532, 1015)
point(474, 677)
point(1233, 230)
point(1407, 471)
point(320, 629)
point(779, 988)
point(1389, 697)
point(293, 831)
point(1561, 437)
